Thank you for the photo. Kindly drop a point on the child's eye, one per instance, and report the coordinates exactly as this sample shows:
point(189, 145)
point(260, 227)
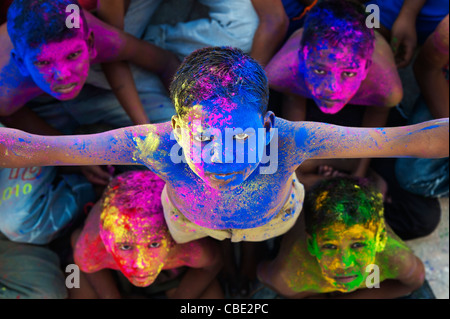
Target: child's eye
point(358, 245)
point(318, 71)
point(329, 246)
point(41, 63)
point(241, 137)
point(349, 74)
point(154, 245)
point(202, 138)
point(74, 55)
point(125, 247)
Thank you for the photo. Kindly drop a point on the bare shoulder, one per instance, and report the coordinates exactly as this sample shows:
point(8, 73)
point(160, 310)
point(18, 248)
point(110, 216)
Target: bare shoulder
point(198, 253)
point(109, 41)
point(89, 251)
point(15, 89)
point(397, 259)
point(382, 86)
point(283, 69)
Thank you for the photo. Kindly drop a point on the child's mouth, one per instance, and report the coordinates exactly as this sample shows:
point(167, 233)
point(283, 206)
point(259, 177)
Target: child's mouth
point(345, 279)
point(222, 177)
point(64, 89)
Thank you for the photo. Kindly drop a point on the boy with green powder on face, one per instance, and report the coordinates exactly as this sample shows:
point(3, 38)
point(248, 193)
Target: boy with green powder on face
point(341, 247)
point(220, 182)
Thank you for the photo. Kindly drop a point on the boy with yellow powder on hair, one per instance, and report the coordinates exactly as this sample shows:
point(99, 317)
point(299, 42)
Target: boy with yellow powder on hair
point(342, 248)
point(228, 163)
point(126, 231)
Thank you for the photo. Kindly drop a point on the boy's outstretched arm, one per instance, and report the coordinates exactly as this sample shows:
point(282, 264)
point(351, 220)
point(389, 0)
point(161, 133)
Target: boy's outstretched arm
point(21, 149)
point(319, 140)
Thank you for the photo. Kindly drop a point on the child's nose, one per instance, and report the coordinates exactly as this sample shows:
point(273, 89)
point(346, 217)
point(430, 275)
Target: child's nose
point(222, 153)
point(216, 153)
point(61, 73)
point(346, 259)
point(139, 261)
point(333, 85)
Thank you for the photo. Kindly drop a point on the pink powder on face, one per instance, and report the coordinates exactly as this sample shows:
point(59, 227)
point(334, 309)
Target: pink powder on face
point(333, 76)
point(139, 246)
point(60, 68)
point(133, 228)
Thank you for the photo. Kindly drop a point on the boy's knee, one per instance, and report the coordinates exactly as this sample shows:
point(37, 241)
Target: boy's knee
point(15, 230)
point(413, 217)
point(30, 272)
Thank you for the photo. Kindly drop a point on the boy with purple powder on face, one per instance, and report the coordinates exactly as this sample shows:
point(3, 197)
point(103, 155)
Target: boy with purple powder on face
point(335, 60)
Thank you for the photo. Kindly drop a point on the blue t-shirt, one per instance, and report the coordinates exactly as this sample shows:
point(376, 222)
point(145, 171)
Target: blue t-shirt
point(428, 19)
point(36, 203)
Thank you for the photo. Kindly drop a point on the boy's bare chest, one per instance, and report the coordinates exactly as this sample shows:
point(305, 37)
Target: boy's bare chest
point(251, 204)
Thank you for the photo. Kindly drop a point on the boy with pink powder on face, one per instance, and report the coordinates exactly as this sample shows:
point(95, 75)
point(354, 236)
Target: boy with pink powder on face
point(126, 231)
point(335, 60)
point(41, 54)
point(42, 58)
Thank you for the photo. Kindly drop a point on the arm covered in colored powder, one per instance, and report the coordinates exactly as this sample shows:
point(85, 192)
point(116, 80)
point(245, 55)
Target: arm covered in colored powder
point(21, 149)
point(424, 140)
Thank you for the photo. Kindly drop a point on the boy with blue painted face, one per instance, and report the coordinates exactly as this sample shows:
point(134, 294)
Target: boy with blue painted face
point(229, 165)
point(341, 244)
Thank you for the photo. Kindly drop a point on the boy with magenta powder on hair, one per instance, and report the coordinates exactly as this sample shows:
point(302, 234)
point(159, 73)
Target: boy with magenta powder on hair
point(126, 231)
point(340, 247)
point(228, 163)
point(336, 60)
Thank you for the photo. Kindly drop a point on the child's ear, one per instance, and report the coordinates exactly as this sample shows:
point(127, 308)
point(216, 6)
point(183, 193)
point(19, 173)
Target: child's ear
point(19, 63)
point(269, 124)
point(91, 45)
point(381, 238)
point(176, 127)
point(368, 64)
point(311, 245)
point(302, 56)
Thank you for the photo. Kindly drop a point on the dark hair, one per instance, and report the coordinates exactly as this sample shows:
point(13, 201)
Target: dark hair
point(342, 199)
point(339, 22)
point(215, 73)
point(36, 22)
